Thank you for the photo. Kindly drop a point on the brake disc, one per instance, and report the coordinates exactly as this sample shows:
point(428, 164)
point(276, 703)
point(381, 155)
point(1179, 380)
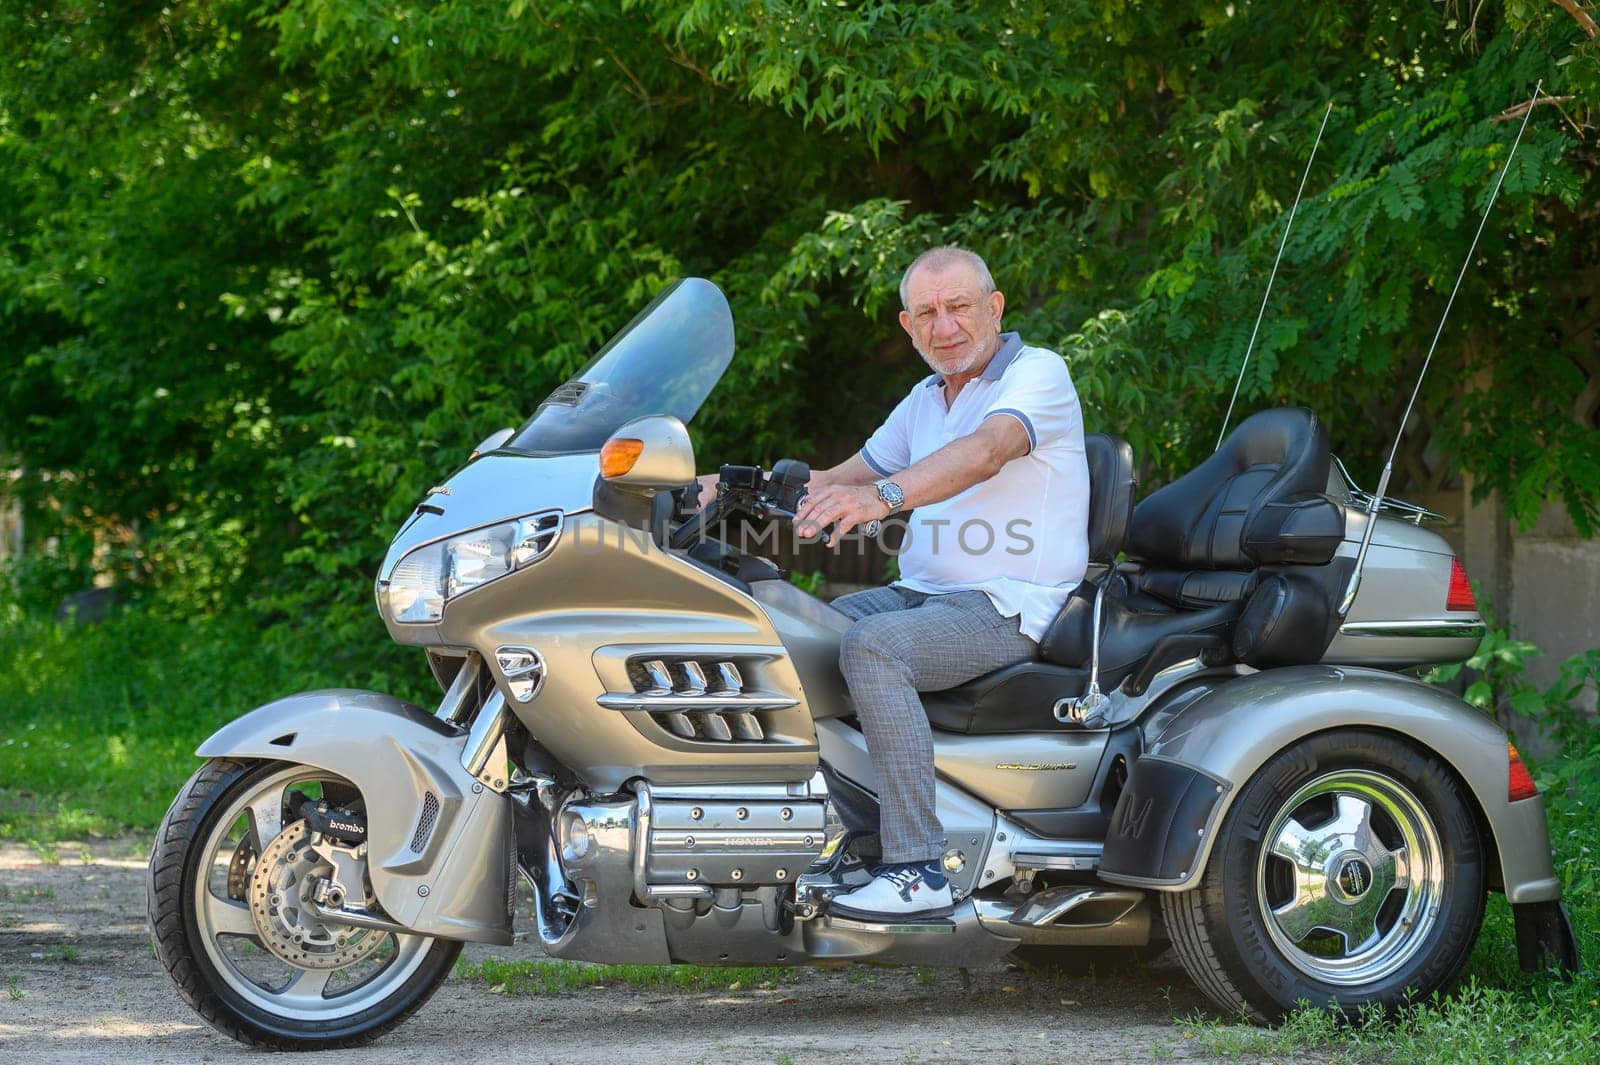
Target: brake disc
point(239, 869)
point(280, 892)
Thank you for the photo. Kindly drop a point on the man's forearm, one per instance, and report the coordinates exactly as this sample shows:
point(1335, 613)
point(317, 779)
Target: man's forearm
point(853, 470)
point(954, 468)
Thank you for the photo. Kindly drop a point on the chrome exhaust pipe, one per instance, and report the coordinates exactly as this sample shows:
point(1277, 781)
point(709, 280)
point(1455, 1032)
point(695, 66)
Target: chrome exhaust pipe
point(1077, 907)
point(1076, 916)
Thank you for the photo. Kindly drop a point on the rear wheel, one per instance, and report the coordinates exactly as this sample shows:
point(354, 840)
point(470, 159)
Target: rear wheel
point(1347, 872)
point(229, 875)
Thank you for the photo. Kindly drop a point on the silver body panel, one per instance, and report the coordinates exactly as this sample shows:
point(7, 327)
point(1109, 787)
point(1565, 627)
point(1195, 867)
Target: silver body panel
point(1399, 617)
point(660, 604)
point(1232, 730)
point(397, 754)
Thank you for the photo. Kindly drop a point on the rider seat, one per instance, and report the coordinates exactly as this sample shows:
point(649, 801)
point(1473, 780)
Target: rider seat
point(1010, 699)
point(1224, 566)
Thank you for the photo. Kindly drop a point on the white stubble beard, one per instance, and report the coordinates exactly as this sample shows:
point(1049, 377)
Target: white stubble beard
point(950, 371)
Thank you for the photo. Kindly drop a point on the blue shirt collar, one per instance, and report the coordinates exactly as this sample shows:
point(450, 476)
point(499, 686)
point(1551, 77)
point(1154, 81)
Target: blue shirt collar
point(1010, 348)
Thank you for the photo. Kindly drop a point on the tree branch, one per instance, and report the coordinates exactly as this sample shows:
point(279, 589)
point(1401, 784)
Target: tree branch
point(1518, 110)
point(1583, 18)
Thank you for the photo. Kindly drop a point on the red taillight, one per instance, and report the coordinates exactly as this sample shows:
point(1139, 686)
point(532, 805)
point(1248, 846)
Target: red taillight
point(1522, 785)
point(1460, 595)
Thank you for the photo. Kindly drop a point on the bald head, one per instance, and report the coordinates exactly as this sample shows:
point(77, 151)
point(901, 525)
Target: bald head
point(941, 259)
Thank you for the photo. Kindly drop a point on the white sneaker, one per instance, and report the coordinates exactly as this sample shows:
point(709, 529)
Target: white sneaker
point(910, 891)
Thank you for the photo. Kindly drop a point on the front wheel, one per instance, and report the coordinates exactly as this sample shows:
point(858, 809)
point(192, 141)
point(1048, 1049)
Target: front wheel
point(229, 875)
point(1348, 872)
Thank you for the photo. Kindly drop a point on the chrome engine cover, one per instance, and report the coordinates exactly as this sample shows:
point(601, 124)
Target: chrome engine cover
point(612, 884)
point(727, 839)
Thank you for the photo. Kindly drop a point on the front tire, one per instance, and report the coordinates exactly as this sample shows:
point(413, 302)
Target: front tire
point(351, 991)
point(1347, 873)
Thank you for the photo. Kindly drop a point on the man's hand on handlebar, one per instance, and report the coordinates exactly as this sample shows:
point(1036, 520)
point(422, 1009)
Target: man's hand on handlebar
point(841, 505)
point(708, 488)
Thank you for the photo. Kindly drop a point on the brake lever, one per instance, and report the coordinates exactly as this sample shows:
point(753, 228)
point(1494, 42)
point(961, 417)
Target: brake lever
point(768, 509)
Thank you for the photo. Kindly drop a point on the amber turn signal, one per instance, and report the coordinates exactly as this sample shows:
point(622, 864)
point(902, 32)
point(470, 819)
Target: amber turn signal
point(618, 456)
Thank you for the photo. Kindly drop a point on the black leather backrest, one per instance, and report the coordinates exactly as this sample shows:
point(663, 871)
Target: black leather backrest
point(1112, 486)
point(1198, 520)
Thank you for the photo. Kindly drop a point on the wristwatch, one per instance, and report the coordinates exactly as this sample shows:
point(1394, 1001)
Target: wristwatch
point(893, 495)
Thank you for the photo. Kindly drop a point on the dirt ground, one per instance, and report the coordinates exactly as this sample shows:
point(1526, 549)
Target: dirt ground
point(80, 983)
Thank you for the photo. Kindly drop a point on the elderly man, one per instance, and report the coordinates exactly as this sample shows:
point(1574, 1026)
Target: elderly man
point(989, 452)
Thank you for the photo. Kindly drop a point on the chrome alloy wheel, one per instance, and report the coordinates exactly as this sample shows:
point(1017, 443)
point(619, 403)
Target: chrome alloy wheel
point(356, 968)
point(1350, 877)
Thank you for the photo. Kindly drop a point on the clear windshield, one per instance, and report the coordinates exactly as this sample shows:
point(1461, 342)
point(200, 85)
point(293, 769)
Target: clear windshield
point(665, 361)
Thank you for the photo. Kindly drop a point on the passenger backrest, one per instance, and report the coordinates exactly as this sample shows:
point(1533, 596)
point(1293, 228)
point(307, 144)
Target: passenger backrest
point(1199, 520)
point(1112, 487)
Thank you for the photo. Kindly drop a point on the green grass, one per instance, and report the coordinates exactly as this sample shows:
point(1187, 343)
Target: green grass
point(527, 978)
point(98, 723)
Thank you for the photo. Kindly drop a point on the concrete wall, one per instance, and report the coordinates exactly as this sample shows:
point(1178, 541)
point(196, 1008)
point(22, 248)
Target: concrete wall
point(1544, 581)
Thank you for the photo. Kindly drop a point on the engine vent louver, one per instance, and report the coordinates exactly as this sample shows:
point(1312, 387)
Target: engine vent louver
point(707, 700)
point(430, 814)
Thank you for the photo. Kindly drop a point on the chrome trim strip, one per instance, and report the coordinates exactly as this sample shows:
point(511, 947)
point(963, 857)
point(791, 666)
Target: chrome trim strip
point(641, 839)
point(712, 702)
point(1439, 629)
point(457, 703)
point(1086, 859)
point(485, 753)
point(679, 891)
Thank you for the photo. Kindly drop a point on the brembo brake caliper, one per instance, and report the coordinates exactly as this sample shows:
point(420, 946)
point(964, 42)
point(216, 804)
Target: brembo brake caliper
point(339, 838)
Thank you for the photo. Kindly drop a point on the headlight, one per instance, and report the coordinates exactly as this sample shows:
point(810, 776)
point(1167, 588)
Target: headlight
point(433, 574)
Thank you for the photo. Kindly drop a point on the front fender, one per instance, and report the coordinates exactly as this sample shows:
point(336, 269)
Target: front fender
point(1200, 754)
point(438, 842)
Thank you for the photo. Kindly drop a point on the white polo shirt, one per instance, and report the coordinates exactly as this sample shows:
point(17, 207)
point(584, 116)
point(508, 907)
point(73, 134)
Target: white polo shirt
point(1021, 537)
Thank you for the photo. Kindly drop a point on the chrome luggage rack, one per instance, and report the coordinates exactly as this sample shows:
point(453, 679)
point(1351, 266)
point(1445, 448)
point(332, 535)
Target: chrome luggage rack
point(1388, 504)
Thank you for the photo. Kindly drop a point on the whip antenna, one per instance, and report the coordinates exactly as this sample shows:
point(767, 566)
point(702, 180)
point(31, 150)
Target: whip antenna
point(1388, 467)
point(1273, 276)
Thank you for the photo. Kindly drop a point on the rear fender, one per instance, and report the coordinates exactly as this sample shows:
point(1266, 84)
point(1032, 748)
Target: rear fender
point(447, 874)
point(1198, 757)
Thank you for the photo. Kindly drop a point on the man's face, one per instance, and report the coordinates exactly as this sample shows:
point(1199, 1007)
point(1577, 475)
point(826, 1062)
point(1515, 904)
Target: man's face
point(953, 323)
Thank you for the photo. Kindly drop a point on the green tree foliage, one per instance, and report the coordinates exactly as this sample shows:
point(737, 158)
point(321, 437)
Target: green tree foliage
point(268, 270)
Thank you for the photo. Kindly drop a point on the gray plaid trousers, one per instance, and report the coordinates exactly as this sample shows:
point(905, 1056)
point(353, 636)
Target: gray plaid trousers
point(904, 642)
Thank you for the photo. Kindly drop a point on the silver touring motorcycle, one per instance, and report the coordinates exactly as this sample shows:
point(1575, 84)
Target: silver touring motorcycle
point(1214, 752)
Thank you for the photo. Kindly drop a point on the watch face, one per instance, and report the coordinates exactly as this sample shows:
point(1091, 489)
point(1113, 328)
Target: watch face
point(891, 493)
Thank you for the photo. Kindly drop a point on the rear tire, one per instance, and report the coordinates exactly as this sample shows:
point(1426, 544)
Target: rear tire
point(1347, 873)
point(191, 922)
